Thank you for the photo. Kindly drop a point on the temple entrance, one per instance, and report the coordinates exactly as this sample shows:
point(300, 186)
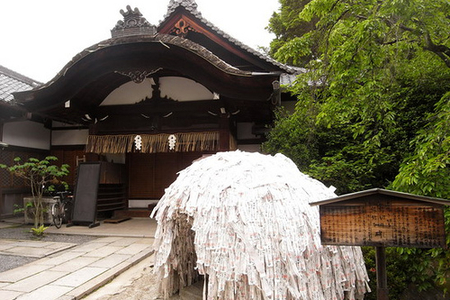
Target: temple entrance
point(150, 174)
point(152, 99)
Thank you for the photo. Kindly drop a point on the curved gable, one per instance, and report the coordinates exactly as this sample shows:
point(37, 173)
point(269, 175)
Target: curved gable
point(171, 87)
point(190, 64)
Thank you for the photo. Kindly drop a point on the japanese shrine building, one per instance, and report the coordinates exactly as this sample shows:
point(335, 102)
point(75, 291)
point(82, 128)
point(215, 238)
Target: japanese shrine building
point(147, 102)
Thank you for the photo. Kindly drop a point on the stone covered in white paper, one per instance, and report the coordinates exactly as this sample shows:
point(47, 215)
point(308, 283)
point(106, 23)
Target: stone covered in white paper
point(244, 219)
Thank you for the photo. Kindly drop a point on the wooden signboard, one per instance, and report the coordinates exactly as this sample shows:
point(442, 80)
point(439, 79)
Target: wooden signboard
point(85, 196)
point(383, 218)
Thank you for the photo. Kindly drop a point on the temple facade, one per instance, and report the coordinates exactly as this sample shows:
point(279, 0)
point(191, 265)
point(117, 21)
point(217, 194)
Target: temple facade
point(145, 103)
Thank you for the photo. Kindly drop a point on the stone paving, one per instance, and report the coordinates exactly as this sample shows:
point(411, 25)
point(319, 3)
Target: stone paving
point(66, 271)
point(35, 249)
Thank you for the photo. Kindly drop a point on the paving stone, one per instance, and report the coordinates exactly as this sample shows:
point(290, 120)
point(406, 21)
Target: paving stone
point(33, 244)
point(133, 249)
point(79, 277)
point(6, 248)
point(110, 261)
point(62, 246)
point(48, 292)
point(73, 273)
point(9, 295)
point(7, 244)
point(28, 251)
point(32, 249)
point(104, 251)
point(67, 297)
point(105, 277)
point(124, 242)
point(108, 239)
point(36, 281)
point(75, 264)
point(60, 258)
point(147, 241)
point(89, 247)
point(22, 272)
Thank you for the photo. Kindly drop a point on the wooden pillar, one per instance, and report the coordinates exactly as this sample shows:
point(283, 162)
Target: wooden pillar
point(382, 289)
point(93, 129)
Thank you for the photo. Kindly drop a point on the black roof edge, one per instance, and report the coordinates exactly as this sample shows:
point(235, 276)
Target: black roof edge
point(374, 191)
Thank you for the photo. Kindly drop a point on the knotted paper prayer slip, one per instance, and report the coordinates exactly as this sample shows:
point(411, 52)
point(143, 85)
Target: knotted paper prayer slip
point(244, 220)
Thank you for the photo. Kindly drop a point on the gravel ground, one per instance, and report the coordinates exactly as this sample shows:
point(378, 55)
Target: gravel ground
point(22, 232)
point(8, 262)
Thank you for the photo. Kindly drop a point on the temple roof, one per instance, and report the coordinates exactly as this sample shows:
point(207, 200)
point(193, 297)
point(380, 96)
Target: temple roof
point(184, 44)
point(11, 82)
point(133, 23)
point(191, 7)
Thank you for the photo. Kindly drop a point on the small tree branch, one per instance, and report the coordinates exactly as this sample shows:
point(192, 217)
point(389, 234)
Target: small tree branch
point(442, 51)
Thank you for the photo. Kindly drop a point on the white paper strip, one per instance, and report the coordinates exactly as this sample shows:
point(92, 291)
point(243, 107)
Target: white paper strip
point(244, 220)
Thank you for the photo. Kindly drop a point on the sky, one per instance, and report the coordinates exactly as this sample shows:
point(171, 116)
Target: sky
point(38, 38)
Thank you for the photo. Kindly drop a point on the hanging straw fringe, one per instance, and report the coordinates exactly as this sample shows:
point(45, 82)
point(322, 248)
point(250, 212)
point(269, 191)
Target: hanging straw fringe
point(154, 143)
point(110, 143)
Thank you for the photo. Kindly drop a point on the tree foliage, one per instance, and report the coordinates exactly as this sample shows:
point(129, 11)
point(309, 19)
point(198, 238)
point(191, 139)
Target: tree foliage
point(377, 70)
point(287, 27)
point(39, 174)
point(373, 109)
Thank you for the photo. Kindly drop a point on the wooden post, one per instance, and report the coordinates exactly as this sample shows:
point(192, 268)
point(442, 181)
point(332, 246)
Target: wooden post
point(375, 217)
point(1, 131)
point(382, 289)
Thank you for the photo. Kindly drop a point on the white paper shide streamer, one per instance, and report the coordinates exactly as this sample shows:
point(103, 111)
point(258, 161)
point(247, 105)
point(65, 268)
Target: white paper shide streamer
point(244, 220)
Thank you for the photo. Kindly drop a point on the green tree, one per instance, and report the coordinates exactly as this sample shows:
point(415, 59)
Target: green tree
point(426, 171)
point(288, 27)
point(39, 174)
point(373, 109)
point(377, 72)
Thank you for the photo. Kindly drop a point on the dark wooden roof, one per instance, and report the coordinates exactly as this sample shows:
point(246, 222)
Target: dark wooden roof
point(11, 82)
point(388, 193)
point(242, 77)
point(185, 20)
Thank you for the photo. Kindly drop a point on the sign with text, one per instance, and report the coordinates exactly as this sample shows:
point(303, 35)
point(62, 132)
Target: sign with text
point(383, 218)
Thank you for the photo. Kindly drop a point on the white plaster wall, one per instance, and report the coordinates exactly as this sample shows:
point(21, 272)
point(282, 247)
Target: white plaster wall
point(176, 88)
point(129, 93)
point(69, 137)
point(26, 134)
point(183, 89)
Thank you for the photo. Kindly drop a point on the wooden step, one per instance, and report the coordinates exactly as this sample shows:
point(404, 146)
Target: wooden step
point(136, 213)
point(116, 220)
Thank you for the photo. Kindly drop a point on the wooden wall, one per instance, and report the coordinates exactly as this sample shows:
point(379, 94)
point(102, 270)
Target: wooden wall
point(150, 174)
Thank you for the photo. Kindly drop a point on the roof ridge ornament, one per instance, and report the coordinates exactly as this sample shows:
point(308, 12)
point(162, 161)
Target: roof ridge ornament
point(182, 28)
point(189, 5)
point(133, 24)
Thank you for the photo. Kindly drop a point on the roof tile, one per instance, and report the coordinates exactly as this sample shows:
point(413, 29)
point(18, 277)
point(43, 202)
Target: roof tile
point(11, 82)
point(191, 6)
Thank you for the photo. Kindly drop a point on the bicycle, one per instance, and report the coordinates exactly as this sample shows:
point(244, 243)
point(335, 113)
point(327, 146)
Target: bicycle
point(62, 208)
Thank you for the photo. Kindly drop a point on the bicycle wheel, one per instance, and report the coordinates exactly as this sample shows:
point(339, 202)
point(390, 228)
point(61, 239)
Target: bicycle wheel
point(56, 214)
point(67, 208)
